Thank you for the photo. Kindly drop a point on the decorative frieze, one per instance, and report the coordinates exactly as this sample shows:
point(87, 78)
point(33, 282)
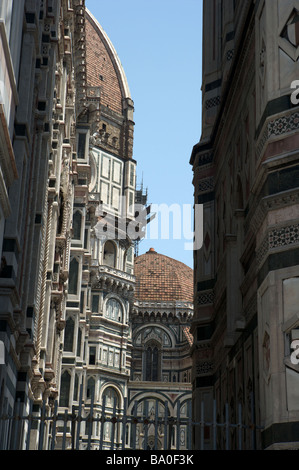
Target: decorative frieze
point(277, 238)
point(203, 368)
point(277, 127)
point(182, 310)
point(212, 102)
point(206, 185)
point(206, 298)
point(113, 280)
point(284, 236)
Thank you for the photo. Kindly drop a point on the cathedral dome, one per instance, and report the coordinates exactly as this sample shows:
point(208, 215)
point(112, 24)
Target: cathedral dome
point(104, 69)
point(160, 278)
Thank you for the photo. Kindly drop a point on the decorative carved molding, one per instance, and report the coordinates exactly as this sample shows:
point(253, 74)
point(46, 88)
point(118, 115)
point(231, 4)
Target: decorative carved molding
point(203, 368)
point(182, 310)
point(277, 127)
point(205, 298)
point(113, 280)
point(212, 102)
point(276, 238)
point(206, 185)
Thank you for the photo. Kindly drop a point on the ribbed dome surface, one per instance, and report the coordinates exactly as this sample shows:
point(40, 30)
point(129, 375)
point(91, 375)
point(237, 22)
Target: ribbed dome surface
point(160, 278)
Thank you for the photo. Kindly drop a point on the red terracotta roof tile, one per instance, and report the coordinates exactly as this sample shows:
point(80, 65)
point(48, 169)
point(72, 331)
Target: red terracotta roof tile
point(160, 278)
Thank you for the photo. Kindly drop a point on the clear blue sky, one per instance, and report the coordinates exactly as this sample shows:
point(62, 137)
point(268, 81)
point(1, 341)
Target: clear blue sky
point(159, 45)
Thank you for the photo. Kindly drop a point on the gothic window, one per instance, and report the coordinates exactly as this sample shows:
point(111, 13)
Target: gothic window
point(109, 258)
point(81, 145)
point(90, 387)
point(65, 389)
point(73, 276)
point(152, 367)
point(77, 224)
point(114, 310)
point(69, 335)
point(111, 398)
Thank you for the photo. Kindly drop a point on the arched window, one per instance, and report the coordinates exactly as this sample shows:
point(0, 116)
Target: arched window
point(152, 363)
point(112, 431)
point(111, 398)
point(114, 310)
point(153, 410)
point(109, 258)
point(90, 387)
point(65, 389)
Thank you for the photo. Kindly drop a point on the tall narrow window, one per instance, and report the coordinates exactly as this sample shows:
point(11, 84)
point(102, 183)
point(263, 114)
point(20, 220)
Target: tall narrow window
point(69, 335)
point(77, 223)
point(95, 303)
point(112, 404)
point(81, 145)
point(65, 389)
point(152, 363)
point(76, 388)
point(73, 276)
point(155, 364)
point(90, 387)
point(132, 175)
point(92, 355)
point(148, 364)
point(79, 339)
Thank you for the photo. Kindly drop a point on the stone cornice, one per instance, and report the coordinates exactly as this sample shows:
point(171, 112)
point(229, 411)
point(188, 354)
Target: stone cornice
point(178, 309)
point(111, 279)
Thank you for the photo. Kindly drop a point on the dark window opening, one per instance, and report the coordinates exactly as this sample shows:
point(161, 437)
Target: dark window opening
point(81, 146)
point(92, 355)
point(152, 366)
point(69, 335)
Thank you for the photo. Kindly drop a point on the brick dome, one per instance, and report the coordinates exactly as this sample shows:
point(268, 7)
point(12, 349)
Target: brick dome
point(104, 69)
point(160, 278)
